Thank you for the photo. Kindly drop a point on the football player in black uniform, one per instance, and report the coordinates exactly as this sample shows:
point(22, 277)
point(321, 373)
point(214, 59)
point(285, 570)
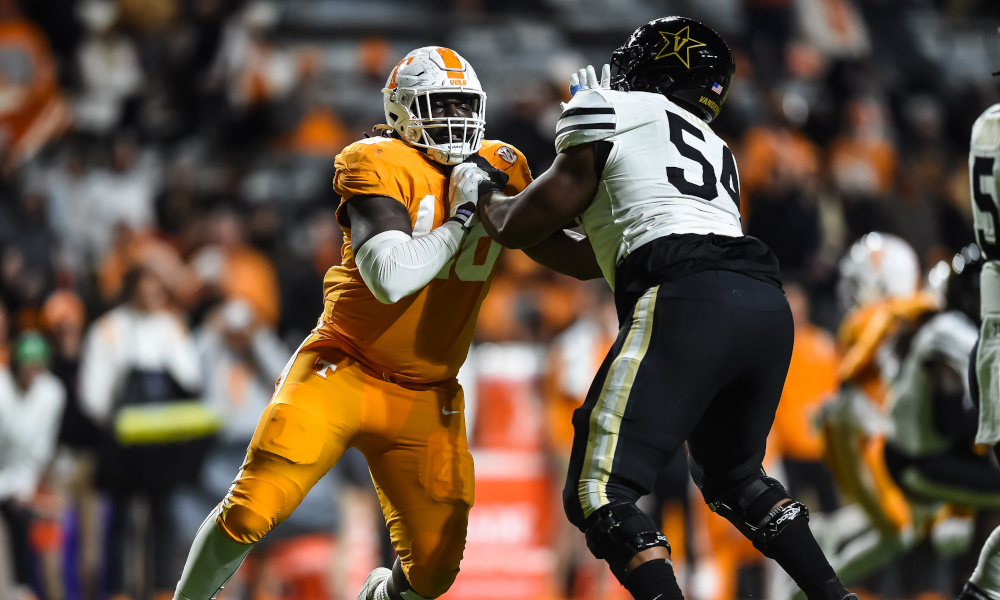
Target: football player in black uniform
point(984, 367)
point(706, 332)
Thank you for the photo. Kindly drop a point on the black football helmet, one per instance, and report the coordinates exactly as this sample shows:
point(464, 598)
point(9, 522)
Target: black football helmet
point(962, 293)
point(680, 58)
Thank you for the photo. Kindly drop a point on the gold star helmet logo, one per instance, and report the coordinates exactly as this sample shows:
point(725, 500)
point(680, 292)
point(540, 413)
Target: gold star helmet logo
point(678, 44)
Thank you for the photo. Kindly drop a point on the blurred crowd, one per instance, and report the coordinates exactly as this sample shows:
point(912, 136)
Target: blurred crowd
point(166, 219)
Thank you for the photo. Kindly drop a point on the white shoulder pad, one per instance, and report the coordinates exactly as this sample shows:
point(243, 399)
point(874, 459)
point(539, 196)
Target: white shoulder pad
point(588, 117)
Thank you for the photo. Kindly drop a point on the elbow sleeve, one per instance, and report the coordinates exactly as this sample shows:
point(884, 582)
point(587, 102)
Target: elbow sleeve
point(395, 265)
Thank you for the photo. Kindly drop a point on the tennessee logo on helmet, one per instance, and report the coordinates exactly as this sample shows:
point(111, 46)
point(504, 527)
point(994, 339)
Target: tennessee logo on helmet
point(453, 65)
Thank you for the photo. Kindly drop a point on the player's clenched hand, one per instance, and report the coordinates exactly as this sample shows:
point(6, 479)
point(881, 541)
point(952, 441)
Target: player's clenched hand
point(586, 79)
point(463, 192)
point(498, 177)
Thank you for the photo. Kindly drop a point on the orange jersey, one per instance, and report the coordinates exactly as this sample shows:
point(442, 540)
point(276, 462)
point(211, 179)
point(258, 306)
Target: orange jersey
point(424, 337)
point(854, 454)
point(865, 329)
point(811, 379)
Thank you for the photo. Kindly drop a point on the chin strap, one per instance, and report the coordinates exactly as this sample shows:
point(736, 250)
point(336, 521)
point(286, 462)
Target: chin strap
point(383, 130)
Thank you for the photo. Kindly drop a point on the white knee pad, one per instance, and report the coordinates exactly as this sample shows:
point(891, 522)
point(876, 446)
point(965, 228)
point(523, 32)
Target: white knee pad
point(987, 573)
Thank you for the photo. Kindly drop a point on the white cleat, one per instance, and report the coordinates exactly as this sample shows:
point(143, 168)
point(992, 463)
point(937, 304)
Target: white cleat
point(372, 582)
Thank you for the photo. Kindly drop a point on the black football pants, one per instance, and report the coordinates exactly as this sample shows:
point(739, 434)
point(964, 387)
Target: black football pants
point(702, 359)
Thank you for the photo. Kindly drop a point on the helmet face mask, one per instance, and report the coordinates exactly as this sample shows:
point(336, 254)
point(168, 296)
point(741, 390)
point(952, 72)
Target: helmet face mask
point(449, 130)
point(418, 81)
point(680, 58)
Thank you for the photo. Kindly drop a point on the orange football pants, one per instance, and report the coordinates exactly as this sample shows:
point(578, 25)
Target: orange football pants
point(413, 437)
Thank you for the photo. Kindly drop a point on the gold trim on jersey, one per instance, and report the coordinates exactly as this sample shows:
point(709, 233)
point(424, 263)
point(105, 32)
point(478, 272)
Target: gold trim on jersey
point(606, 416)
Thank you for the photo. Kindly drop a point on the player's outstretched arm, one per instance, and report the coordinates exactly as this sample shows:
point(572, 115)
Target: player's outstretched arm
point(556, 198)
point(392, 263)
point(564, 251)
point(568, 253)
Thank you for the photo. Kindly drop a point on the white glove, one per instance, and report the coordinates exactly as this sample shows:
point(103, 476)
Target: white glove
point(586, 79)
point(463, 193)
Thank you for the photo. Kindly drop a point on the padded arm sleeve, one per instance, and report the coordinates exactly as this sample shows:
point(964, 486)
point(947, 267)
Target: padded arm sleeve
point(394, 265)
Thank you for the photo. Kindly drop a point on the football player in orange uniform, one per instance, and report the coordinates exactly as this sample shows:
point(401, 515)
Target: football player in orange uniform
point(879, 289)
point(378, 371)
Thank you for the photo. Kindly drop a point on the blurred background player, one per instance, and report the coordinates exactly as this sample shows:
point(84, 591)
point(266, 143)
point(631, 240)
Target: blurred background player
point(378, 371)
point(930, 410)
point(878, 291)
point(685, 278)
point(984, 371)
point(930, 449)
point(899, 435)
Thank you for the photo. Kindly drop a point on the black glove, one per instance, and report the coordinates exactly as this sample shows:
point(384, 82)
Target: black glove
point(498, 179)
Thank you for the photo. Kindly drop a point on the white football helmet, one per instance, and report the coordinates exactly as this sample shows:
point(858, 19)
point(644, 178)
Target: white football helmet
point(879, 265)
point(422, 74)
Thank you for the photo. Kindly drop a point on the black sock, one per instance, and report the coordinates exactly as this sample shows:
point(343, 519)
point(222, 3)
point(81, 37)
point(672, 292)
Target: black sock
point(796, 550)
point(653, 580)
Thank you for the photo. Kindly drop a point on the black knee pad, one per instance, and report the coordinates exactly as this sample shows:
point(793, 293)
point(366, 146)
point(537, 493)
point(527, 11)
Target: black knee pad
point(618, 531)
point(748, 507)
